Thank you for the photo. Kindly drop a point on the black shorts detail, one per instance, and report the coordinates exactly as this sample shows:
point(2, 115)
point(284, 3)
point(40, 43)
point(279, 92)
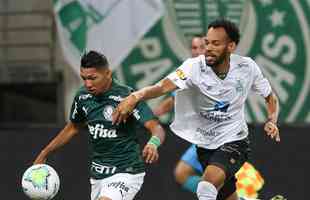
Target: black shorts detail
point(230, 157)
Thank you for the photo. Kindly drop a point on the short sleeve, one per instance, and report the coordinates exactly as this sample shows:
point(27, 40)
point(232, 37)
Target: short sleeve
point(143, 113)
point(76, 113)
point(181, 77)
point(260, 84)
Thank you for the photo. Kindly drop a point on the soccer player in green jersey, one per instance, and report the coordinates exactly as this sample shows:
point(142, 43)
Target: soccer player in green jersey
point(117, 167)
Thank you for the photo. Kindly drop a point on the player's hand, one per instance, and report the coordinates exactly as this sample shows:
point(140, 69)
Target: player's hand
point(41, 159)
point(124, 109)
point(272, 130)
point(150, 153)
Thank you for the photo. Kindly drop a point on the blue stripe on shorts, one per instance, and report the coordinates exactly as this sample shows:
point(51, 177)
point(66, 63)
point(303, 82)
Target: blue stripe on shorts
point(191, 158)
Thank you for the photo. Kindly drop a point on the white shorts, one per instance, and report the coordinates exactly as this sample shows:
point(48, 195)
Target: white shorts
point(121, 186)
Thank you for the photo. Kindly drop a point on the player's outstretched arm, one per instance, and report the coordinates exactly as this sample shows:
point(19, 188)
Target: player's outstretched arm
point(125, 108)
point(164, 107)
point(150, 152)
point(63, 137)
point(271, 127)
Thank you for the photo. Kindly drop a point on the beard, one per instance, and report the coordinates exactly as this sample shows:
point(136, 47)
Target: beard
point(214, 61)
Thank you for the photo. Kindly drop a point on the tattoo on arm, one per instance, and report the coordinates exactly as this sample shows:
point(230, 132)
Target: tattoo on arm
point(272, 107)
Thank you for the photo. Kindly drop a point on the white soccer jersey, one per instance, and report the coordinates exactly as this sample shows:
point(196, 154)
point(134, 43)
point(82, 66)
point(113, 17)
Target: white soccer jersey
point(209, 111)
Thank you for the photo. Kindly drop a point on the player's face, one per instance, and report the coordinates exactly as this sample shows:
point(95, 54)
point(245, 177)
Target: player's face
point(198, 46)
point(218, 46)
point(96, 80)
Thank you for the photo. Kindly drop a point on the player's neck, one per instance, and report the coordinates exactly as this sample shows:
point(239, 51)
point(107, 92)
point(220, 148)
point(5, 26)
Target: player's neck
point(221, 70)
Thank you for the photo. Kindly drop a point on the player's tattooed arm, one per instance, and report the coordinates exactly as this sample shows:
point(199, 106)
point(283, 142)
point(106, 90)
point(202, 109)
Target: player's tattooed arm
point(271, 126)
point(125, 108)
point(164, 107)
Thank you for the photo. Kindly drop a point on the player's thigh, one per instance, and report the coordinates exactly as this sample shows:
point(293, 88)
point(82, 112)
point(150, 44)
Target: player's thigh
point(121, 186)
point(231, 156)
point(215, 175)
point(183, 171)
point(226, 159)
point(190, 157)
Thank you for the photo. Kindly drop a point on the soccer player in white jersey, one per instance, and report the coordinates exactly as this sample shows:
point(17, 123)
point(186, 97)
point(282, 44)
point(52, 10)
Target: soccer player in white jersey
point(209, 110)
point(188, 170)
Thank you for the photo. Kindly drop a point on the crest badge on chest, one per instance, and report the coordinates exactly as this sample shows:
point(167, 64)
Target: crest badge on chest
point(107, 112)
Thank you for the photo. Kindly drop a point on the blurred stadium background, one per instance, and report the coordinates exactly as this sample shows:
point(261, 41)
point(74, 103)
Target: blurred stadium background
point(40, 46)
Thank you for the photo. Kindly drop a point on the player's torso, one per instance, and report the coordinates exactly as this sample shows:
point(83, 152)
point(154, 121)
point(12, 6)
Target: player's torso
point(214, 107)
point(220, 100)
point(114, 147)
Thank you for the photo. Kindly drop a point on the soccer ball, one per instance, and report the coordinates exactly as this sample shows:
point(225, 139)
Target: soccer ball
point(40, 182)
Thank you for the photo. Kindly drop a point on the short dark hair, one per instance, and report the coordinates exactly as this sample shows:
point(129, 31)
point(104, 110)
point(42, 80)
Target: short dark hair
point(231, 28)
point(94, 59)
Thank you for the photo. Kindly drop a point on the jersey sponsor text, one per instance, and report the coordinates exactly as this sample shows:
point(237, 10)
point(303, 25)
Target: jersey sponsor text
point(98, 131)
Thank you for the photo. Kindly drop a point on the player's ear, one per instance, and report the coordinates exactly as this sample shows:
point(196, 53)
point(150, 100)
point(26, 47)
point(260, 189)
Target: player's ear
point(232, 46)
point(109, 72)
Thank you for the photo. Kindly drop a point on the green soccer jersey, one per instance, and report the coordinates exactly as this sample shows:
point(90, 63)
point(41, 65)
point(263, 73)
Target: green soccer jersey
point(114, 148)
